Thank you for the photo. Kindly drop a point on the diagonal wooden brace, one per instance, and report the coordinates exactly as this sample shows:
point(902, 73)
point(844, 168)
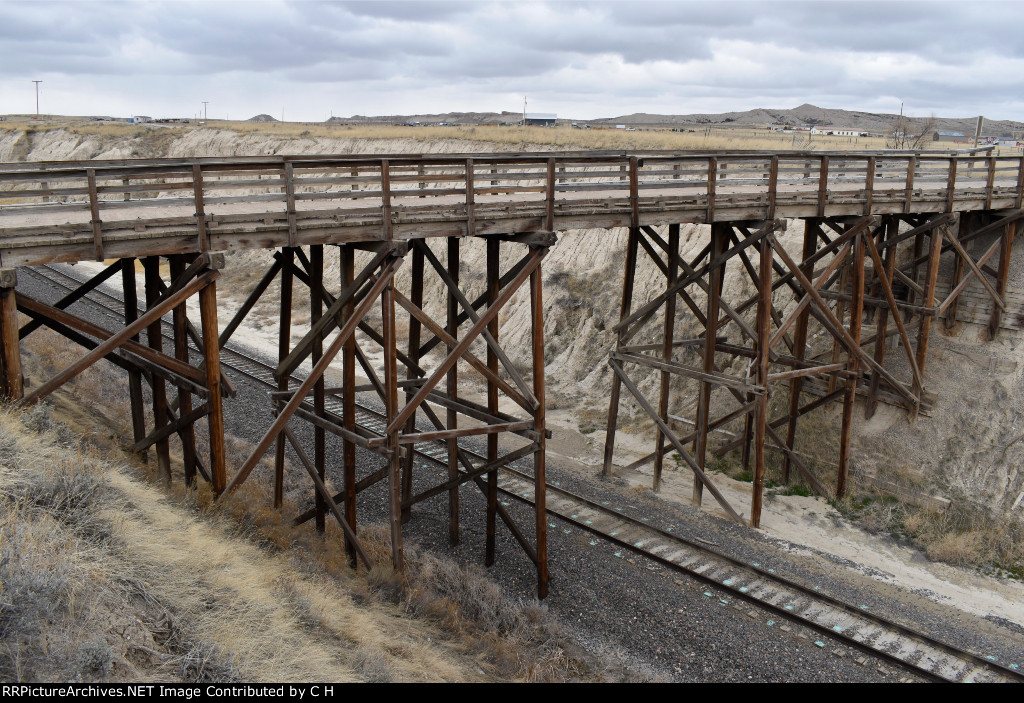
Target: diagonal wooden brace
point(480, 366)
point(697, 471)
point(327, 322)
point(117, 340)
point(492, 343)
point(386, 275)
point(975, 269)
point(73, 296)
point(321, 489)
point(536, 256)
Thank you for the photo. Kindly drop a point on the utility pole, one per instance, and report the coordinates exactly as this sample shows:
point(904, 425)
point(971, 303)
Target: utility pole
point(204, 110)
point(977, 132)
point(37, 98)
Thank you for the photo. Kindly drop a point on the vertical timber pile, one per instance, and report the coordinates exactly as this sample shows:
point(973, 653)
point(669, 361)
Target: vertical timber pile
point(154, 336)
point(10, 358)
point(178, 266)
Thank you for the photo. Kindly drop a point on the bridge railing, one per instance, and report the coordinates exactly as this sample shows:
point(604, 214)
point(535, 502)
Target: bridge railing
point(70, 197)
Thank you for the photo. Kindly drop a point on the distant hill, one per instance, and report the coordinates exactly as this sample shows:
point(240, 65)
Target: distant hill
point(807, 114)
point(261, 118)
point(470, 118)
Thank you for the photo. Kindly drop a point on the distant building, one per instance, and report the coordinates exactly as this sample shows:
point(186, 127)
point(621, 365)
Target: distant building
point(139, 119)
point(540, 119)
point(949, 137)
point(838, 132)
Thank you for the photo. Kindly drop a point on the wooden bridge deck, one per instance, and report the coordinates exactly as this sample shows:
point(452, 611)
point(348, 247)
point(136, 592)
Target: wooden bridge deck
point(70, 211)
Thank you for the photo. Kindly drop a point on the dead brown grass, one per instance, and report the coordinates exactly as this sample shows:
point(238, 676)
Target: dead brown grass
point(499, 137)
point(251, 596)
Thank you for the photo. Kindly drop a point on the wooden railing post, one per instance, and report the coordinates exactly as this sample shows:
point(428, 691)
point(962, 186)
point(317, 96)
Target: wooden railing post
point(289, 195)
point(990, 182)
point(470, 198)
point(550, 194)
point(823, 186)
point(773, 184)
point(869, 184)
point(385, 191)
point(197, 191)
point(94, 209)
point(951, 184)
point(634, 191)
point(909, 190)
point(712, 187)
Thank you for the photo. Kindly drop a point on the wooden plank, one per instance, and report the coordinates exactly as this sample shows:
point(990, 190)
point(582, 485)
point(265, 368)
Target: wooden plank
point(197, 194)
point(154, 337)
point(211, 357)
point(10, 353)
point(289, 190)
point(94, 209)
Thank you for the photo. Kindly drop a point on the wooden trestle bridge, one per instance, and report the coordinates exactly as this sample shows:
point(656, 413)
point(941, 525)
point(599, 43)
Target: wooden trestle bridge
point(877, 229)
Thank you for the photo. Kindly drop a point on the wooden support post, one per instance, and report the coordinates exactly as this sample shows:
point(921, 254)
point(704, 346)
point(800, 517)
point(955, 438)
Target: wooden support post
point(764, 306)
point(844, 283)
point(928, 300)
point(316, 307)
point(890, 230)
point(963, 228)
point(387, 309)
point(452, 392)
point(666, 351)
point(10, 351)
point(799, 348)
point(211, 357)
point(914, 270)
point(716, 279)
point(154, 337)
point(493, 252)
point(539, 420)
point(1005, 252)
point(856, 313)
point(284, 336)
point(131, 313)
point(180, 319)
point(628, 277)
point(348, 409)
point(411, 373)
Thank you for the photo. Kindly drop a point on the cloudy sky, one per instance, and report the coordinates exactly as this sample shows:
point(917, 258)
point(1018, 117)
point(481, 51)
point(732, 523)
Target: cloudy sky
point(311, 59)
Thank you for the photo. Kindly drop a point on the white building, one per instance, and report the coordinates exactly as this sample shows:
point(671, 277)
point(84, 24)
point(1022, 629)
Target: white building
point(838, 132)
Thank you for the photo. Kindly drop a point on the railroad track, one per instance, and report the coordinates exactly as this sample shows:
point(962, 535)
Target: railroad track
point(852, 625)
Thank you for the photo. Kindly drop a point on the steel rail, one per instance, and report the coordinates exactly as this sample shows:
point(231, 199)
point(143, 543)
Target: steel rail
point(764, 575)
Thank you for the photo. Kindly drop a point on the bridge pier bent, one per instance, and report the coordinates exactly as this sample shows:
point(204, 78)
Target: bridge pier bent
point(763, 325)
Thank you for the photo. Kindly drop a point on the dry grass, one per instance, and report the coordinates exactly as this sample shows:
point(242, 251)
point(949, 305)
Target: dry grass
point(230, 589)
point(964, 534)
point(504, 138)
point(559, 137)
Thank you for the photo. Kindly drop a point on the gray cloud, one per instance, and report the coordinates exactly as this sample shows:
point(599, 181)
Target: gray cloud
point(572, 57)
